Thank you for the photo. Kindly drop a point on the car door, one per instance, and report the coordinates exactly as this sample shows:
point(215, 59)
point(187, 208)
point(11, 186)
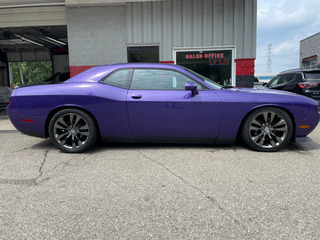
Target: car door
point(110, 108)
point(160, 107)
point(289, 84)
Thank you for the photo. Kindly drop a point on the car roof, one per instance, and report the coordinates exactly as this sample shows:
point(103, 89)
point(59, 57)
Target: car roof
point(95, 74)
point(299, 70)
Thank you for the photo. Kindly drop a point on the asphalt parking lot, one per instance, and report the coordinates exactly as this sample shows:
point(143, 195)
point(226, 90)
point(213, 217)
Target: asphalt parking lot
point(135, 191)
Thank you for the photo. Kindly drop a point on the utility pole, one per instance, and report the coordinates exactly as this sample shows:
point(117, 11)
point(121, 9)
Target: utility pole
point(21, 74)
point(269, 59)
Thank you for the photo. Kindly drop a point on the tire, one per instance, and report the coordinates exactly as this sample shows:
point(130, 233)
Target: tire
point(267, 129)
point(72, 130)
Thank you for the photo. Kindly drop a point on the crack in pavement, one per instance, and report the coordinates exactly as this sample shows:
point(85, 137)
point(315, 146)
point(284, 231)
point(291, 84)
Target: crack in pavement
point(41, 166)
point(176, 175)
point(34, 181)
point(64, 165)
point(228, 214)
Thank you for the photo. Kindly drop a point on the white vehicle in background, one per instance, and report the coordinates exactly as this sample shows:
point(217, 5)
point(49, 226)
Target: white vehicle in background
point(5, 94)
point(265, 77)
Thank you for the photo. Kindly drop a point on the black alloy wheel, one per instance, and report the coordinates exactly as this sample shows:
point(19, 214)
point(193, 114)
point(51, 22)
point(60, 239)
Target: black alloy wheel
point(267, 130)
point(72, 130)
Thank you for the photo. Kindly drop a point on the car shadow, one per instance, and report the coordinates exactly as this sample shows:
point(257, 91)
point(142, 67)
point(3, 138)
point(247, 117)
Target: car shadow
point(44, 144)
point(103, 146)
point(302, 147)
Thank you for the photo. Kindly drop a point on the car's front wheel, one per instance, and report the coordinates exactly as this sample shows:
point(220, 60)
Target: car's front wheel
point(267, 129)
point(72, 130)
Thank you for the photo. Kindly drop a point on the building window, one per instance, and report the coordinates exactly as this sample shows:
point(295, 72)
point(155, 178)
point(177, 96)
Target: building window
point(310, 63)
point(146, 54)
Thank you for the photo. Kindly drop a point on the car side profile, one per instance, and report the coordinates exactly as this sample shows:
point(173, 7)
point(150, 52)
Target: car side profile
point(305, 82)
point(158, 103)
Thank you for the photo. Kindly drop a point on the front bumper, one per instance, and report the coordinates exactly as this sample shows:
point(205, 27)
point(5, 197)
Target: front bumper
point(311, 120)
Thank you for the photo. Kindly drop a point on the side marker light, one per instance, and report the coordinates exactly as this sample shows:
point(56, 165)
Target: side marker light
point(27, 120)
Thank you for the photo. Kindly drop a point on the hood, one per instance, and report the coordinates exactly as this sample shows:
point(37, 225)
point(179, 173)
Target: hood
point(261, 91)
point(264, 96)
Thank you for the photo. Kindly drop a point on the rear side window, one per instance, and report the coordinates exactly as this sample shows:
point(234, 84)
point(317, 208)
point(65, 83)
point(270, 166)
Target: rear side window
point(312, 75)
point(119, 78)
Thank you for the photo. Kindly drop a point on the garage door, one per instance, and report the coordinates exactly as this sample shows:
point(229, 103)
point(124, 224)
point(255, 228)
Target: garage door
point(33, 16)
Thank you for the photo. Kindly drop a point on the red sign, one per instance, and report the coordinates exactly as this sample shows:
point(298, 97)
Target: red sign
point(205, 56)
point(219, 61)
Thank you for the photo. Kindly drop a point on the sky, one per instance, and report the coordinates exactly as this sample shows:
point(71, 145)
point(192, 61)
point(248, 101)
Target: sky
point(284, 23)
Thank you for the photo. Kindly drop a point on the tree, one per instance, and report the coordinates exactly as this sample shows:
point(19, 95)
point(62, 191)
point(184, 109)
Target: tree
point(33, 72)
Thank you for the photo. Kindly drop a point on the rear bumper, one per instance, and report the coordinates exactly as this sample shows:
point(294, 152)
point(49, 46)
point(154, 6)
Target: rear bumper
point(32, 126)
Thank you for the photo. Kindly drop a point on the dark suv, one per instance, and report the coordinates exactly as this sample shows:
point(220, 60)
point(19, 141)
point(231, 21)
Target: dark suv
point(301, 81)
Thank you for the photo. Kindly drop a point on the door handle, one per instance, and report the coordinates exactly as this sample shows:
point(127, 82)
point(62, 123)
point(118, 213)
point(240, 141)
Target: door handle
point(136, 96)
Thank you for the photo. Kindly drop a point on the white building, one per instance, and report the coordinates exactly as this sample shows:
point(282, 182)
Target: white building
point(310, 52)
point(216, 38)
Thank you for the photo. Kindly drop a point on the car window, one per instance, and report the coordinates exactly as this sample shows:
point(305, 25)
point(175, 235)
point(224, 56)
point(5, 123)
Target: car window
point(298, 77)
point(282, 79)
point(119, 78)
point(203, 78)
point(289, 77)
point(274, 81)
point(160, 79)
point(312, 75)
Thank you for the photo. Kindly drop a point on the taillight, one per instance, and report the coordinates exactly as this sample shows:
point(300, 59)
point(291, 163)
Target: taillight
point(305, 85)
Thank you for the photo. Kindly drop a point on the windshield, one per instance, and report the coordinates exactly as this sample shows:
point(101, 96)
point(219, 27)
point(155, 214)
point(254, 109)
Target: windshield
point(312, 75)
point(206, 80)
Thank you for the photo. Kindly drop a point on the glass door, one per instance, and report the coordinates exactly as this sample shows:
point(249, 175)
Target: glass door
point(216, 64)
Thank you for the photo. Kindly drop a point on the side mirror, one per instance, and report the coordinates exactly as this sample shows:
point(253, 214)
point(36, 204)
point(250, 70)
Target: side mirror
point(265, 84)
point(190, 86)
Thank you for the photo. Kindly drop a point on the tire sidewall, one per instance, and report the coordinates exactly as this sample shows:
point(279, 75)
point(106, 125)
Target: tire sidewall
point(92, 133)
point(246, 135)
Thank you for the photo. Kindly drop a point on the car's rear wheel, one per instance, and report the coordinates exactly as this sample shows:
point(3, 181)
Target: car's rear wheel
point(72, 130)
point(267, 129)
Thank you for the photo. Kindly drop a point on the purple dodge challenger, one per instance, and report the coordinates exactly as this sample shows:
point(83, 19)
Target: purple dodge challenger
point(158, 102)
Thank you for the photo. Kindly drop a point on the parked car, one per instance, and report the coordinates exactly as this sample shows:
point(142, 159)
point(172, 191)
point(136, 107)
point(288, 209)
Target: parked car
point(54, 79)
point(159, 103)
point(58, 77)
point(5, 94)
point(301, 81)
